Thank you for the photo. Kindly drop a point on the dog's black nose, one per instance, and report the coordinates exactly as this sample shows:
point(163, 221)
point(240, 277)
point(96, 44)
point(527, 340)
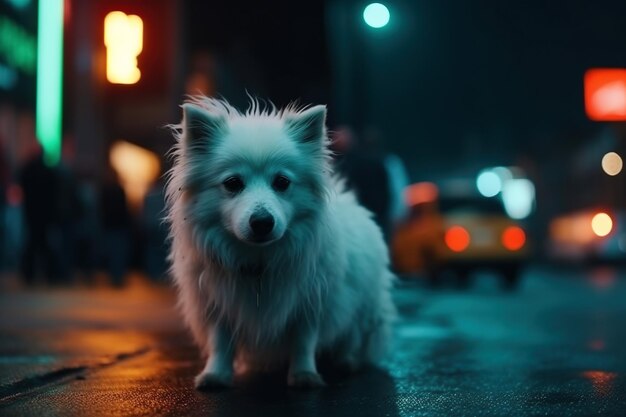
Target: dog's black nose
point(261, 223)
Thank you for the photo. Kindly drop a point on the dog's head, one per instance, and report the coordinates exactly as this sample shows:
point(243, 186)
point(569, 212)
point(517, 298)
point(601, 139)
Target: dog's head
point(254, 177)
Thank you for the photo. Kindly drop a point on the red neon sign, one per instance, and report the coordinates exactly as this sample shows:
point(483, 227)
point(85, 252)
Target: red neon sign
point(605, 94)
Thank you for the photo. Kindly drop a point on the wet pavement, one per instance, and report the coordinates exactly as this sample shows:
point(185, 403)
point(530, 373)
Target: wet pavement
point(557, 346)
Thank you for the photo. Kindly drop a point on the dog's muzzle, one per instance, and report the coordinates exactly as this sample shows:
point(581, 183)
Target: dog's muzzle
point(261, 223)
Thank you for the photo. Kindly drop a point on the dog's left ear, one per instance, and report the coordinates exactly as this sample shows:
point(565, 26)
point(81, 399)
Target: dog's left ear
point(307, 126)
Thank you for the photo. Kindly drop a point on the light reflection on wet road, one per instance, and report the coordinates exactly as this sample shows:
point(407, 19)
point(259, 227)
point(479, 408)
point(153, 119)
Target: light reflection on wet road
point(555, 347)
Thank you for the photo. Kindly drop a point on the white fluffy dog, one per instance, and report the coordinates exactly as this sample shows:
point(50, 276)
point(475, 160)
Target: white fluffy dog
point(274, 261)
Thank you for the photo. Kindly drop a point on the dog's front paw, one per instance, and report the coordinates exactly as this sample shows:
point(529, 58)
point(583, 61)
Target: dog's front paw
point(208, 381)
point(305, 380)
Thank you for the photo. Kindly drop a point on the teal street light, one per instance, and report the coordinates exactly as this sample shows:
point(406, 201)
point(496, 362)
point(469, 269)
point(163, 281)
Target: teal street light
point(376, 15)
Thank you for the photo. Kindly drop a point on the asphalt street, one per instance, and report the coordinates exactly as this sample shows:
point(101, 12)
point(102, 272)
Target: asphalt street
point(556, 347)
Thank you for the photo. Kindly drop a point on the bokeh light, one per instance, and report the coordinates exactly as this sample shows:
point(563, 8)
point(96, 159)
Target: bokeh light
point(123, 37)
point(513, 238)
point(602, 224)
point(137, 168)
point(612, 163)
point(605, 94)
point(421, 192)
point(518, 196)
point(457, 238)
point(376, 15)
point(504, 173)
point(489, 183)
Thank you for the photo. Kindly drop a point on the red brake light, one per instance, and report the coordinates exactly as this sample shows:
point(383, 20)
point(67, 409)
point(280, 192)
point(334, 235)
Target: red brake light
point(513, 238)
point(457, 238)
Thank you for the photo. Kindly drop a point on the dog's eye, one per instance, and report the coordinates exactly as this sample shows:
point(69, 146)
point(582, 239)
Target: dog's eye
point(281, 183)
point(233, 184)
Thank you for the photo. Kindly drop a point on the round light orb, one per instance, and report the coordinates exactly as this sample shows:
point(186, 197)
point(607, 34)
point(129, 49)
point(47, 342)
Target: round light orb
point(376, 15)
point(602, 224)
point(612, 163)
point(489, 183)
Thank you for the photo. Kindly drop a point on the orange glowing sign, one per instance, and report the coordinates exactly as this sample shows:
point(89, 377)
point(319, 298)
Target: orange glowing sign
point(123, 37)
point(605, 94)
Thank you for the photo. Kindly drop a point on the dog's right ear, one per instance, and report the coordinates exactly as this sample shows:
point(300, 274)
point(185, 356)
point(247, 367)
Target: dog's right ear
point(308, 126)
point(201, 127)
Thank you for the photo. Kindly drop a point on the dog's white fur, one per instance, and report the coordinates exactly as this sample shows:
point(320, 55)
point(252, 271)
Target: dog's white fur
point(319, 283)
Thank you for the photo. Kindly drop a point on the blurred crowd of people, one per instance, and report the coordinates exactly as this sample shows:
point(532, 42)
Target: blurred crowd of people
point(60, 228)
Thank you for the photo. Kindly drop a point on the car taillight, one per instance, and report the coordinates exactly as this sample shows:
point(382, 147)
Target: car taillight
point(513, 238)
point(457, 238)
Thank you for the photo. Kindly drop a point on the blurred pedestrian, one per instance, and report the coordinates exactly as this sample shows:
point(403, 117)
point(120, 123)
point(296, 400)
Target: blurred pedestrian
point(155, 231)
point(362, 163)
point(69, 211)
point(398, 181)
point(116, 227)
point(39, 188)
point(4, 184)
point(87, 227)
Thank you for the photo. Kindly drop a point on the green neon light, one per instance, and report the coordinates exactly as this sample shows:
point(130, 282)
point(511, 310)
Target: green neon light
point(49, 110)
point(18, 48)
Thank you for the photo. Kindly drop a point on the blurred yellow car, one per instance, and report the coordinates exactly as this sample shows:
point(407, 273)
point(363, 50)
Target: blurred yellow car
point(461, 233)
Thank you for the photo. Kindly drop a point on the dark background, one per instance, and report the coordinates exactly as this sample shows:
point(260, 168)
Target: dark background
point(494, 81)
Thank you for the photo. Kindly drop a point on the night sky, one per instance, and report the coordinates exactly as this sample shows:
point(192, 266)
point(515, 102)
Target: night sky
point(276, 50)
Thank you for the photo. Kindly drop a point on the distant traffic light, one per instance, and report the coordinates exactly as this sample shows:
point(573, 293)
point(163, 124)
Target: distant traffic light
point(123, 37)
point(376, 15)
